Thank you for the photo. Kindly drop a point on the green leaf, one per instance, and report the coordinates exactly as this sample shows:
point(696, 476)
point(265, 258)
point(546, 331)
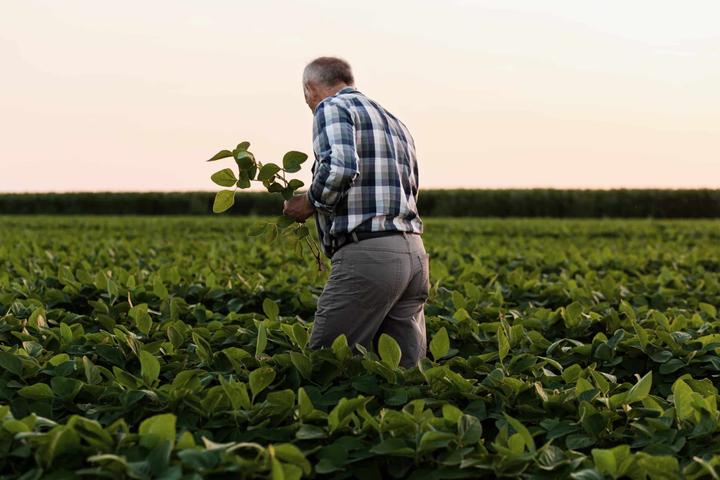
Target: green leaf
point(268, 171)
point(683, 400)
point(640, 390)
point(260, 379)
point(271, 309)
point(224, 199)
point(294, 184)
point(300, 335)
point(186, 440)
point(242, 147)
point(140, 314)
point(149, 368)
point(605, 461)
point(389, 351)
point(302, 364)
point(66, 388)
point(523, 431)
point(92, 372)
point(221, 154)
point(37, 391)
point(224, 177)
point(244, 180)
point(659, 467)
point(159, 288)
point(587, 474)
point(469, 429)
point(432, 440)
point(245, 160)
point(156, 429)
point(15, 426)
point(503, 343)
point(340, 347)
point(305, 406)
point(276, 470)
point(275, 187)
point(708, 309)
point(261, 343)
point(440, 344)
point(289, 453)
point(292, 161)
point(204, 350)
point(62, 441)
point(11, 363)
point(572, 314)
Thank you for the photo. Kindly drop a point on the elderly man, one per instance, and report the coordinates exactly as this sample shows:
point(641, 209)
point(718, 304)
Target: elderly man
point(364, 197)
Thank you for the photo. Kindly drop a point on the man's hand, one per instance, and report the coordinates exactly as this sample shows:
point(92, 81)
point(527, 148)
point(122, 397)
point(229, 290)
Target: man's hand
point(298, 207)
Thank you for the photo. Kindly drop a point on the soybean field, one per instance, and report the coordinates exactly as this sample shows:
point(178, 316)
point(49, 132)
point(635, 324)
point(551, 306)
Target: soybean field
point(176, 348)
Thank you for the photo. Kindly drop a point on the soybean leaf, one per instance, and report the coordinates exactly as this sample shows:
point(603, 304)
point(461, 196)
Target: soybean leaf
point(224, 177)
point(245, 160)
point(261, 343)
point(440, 344)
point(523, 431)
point(11, 363)
point(503, 343)
point(294, 184)
point(287, 452)
point(37, 391)
point(389, 351)
point(683, 400)
point(149, 367)
point(244, 180)
point(640, 390)
point(271, 309)
point(292, 161)
point(156, 429)
point(224, 199)
point(221, 154)
point(268, 171)
point(260, 379)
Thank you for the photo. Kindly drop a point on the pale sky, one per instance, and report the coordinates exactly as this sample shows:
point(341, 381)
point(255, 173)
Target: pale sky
point(101, 95)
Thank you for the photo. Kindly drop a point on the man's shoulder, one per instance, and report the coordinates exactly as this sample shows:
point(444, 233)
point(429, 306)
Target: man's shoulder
point(345, 101)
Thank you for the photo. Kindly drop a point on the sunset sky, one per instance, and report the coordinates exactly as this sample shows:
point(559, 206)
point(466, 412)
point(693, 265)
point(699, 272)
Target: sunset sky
point(100, 95)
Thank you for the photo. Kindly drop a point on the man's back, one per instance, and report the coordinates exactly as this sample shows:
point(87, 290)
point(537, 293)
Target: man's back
point(357, 141)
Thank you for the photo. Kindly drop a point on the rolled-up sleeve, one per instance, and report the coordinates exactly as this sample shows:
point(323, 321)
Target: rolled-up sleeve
point(336, 155)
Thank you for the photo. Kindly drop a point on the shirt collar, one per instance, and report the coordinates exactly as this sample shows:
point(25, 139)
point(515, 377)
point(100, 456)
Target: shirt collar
point(347, 89)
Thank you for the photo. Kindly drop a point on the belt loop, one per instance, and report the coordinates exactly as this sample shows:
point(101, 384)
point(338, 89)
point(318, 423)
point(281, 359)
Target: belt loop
point(355, 237)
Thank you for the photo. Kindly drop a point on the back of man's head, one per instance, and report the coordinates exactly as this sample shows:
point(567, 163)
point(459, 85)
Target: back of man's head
point(328, 72)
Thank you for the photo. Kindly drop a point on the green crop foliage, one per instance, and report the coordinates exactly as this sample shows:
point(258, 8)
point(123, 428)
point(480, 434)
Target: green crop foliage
point(151, 347)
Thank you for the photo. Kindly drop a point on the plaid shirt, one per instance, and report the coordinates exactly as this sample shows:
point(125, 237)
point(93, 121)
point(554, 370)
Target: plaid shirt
point(365, 175)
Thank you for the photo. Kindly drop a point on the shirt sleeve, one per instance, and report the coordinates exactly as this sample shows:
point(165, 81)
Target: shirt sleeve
point(336, 153)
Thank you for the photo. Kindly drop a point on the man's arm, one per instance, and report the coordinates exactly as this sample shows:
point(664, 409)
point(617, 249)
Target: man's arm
point(338, 160)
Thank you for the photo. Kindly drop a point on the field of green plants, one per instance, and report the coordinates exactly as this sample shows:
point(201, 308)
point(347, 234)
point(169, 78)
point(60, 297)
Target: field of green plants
point(176, 348)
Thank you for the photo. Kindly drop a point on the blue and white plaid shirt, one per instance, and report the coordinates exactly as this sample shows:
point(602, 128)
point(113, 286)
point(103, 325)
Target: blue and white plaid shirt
point(365, 175)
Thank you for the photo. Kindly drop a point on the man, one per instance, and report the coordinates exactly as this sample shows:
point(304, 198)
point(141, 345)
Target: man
point(364, 194)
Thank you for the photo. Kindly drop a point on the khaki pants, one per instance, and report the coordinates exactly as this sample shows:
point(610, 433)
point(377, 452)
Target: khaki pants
point(378, 285)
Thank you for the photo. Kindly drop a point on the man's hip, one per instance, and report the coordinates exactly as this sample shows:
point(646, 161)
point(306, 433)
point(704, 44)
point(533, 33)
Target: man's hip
point(389, 241)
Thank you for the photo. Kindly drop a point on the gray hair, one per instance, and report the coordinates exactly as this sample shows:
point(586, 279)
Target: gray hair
point(328, 71)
